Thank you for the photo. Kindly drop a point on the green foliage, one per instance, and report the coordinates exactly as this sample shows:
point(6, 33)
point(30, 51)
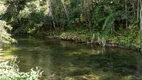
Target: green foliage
point(95, 15)
point(28, 19)
point(5, 37)
point(130, 38)
point(102, 20)
point(10, 71)
point(107, 26)
point(13, 9)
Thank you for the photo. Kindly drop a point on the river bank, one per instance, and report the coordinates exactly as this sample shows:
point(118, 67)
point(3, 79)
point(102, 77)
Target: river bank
point(125, 40)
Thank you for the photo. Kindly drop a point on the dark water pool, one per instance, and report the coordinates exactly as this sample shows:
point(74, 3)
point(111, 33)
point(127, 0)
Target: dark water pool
point(63, 60)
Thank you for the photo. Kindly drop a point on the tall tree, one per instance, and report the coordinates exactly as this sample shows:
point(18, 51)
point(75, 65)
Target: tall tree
point(50, 12)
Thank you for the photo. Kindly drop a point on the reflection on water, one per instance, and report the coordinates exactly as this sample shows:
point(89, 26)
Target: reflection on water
point(62, 60)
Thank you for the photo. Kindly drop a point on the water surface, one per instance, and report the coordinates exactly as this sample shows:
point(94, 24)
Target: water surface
point(64, 60)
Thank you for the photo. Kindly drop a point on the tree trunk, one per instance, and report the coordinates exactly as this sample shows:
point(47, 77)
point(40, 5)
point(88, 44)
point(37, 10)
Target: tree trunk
point(38, 5)
point(140, 14)
point(138, 9)
point(49, 12)
point(65, 9)
point(126, 22)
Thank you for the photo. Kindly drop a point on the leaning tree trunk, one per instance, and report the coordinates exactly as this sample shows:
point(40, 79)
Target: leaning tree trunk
point(65, 9)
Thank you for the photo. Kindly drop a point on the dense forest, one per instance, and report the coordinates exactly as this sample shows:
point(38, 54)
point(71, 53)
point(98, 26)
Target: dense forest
point(115, 23)
point(92, 21)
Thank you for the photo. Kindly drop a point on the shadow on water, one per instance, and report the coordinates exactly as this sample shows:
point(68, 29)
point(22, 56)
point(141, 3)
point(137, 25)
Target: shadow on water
point(63, 60)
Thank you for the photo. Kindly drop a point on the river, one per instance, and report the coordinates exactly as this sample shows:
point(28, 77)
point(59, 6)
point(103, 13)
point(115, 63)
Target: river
point(65, 60)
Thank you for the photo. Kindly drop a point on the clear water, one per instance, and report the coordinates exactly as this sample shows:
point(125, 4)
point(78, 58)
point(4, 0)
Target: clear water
point(64, 60)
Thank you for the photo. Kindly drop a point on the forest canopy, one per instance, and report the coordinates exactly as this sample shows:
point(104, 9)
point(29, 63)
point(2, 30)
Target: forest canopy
point(94, 20)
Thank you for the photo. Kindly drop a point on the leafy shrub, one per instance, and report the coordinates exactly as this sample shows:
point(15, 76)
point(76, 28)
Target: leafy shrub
point(10, 71)
point(5, 37)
